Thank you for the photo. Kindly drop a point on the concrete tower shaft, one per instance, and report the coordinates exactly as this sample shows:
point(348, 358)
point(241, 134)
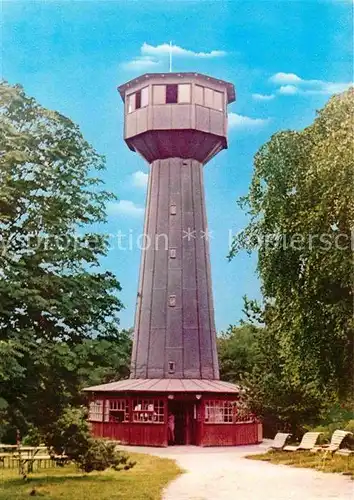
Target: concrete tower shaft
point(177, 122)
point(174, 324)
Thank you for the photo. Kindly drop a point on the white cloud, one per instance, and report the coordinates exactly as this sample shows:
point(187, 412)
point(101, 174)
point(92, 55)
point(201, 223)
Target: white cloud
point(245, 122)
point(164, 49)
point(140, 179)
point(284, 78)
point(263, 97)
point(125, 207)
point(288, 90)
point(291, 84)
point(151, 56)
point(141, 63)
point(335, 88)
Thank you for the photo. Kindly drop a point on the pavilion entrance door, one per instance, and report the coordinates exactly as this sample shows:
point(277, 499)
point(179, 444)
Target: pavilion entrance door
point(185, 421)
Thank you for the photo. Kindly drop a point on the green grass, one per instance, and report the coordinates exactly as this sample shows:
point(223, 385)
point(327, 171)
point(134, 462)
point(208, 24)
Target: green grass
point(145, 481)
point(334, 463)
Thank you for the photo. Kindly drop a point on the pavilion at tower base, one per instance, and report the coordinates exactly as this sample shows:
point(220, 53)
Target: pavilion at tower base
point(206, 412)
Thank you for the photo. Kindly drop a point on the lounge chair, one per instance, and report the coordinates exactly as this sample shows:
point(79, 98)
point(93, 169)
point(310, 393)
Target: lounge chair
point(336, 440)
point(279, 441)
point(308, 442)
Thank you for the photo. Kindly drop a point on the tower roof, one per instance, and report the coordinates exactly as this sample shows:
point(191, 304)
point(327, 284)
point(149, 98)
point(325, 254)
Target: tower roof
point(231, 95)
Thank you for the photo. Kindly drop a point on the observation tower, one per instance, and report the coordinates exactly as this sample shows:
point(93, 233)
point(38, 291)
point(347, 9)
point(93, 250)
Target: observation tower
point(177, 122)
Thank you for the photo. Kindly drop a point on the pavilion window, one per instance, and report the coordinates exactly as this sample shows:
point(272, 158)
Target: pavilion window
point(116, 410)
point(150, 411)
point(226, 412)
point(96, 411)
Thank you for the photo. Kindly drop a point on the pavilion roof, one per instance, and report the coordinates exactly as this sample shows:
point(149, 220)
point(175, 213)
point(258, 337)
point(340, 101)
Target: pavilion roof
point(166, 385)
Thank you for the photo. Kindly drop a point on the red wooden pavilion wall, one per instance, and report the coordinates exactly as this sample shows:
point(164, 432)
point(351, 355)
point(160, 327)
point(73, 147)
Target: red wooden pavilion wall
point(156, 434)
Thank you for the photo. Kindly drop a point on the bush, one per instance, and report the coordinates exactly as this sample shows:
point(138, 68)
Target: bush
point(101, 455)
point(327, 431)
point(350, 426)
point(337, 418)
point(32, 438)
point(71, 436)
point(349, 440)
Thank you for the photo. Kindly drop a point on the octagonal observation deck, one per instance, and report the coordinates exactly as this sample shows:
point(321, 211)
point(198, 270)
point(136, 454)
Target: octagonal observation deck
point(176, 115)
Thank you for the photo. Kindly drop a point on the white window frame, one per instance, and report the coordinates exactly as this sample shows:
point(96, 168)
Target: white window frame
point(226, 412)
point(149, 411)
point(131, 103)
point(96, 411)
point(144, 94)
point(221, 94)
point(213, 96)
point(200, 88)
point(153, 94)
point(113, 405)
point(189, 92)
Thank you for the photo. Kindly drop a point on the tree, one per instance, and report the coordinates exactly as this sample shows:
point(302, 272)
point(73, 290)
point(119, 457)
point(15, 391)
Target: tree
point(53, 295)
point(48, 287)
point(104, 359)
point(301, 211)
point(238, 353)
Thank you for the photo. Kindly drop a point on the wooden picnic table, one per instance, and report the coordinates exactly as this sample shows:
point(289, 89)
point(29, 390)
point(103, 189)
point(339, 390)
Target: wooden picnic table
point(30, 455)
point(14, 448)
point(8, 446)
point(32, 448)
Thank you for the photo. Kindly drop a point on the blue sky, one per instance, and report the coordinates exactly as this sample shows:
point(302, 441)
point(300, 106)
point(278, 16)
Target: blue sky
point(285, 58)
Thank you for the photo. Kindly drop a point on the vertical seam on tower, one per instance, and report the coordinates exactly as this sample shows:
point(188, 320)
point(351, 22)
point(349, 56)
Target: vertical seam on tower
point(196, 270)
point(182, 257)
point(142, 273)
point(153, 267)
point(207, 272)
point(167, 309)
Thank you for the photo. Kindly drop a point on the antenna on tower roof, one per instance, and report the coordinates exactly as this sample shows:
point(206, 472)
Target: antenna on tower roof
point(171, 57)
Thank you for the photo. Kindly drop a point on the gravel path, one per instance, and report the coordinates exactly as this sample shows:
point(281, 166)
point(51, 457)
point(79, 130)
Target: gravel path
point(224, 474)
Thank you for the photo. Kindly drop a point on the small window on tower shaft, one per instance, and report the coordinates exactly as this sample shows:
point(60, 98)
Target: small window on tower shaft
point(171, 367)
point(138, 100)
point(172, 301)
point(171, 94)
